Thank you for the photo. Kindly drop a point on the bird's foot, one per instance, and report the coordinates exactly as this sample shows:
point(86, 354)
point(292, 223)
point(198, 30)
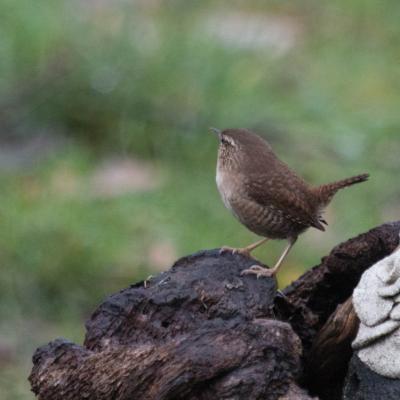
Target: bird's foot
point(258, 271)
point(243, 251)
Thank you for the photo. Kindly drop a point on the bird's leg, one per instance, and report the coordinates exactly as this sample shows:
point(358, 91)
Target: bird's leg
point(261, 271)
point(398, 247)
point(245, 250)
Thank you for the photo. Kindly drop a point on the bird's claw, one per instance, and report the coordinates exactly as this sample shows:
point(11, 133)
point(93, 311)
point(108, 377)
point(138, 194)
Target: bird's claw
point(258, 271)
point(243, 252)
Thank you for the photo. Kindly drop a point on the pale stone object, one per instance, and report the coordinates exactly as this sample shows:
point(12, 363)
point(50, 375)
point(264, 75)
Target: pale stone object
point(376, 301)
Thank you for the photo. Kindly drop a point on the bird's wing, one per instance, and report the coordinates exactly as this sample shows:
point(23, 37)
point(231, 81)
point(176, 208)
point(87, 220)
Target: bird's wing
point(287, 194)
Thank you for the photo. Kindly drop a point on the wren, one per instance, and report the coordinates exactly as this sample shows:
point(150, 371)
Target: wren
point(266, 196)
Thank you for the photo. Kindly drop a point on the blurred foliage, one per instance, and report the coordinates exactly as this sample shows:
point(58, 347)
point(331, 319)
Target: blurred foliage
point(145, 79)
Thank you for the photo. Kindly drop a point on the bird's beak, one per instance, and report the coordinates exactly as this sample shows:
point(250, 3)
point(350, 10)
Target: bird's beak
point(216, 131)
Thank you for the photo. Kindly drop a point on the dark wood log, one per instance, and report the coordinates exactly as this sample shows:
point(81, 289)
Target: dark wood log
point(201, 331)
point(201, 291)
point(257, 361)
point(197, 331)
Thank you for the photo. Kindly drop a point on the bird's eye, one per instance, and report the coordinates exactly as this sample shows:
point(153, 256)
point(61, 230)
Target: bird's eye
point(227, 141)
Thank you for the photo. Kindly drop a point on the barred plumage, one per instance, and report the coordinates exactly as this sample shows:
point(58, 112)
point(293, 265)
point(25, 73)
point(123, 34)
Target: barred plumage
point(265, 195)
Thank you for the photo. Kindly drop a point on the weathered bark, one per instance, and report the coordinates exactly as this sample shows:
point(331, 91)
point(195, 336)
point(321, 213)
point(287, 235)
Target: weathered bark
point(202, 291)
point(197, 331)
point(201, 331)
point(257, 360)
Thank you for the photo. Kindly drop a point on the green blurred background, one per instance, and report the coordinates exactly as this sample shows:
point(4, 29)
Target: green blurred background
point(106, 164)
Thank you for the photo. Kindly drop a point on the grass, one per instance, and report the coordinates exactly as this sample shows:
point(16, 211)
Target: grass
point(109, 81)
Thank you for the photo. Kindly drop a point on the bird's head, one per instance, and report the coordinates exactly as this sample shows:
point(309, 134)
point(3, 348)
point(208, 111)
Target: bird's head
point(229, 148)
point(227, 138)
point(238, 145)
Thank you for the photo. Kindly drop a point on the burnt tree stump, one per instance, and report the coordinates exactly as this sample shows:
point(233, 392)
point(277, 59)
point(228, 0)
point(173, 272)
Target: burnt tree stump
point(200, 331)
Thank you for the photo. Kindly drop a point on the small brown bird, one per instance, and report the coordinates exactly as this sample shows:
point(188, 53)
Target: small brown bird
point(266, 196)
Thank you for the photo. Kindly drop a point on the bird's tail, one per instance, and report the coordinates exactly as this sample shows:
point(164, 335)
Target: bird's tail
point(326, 192)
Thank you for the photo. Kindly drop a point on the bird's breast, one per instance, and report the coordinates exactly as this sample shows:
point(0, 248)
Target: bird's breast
point(225, 184)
